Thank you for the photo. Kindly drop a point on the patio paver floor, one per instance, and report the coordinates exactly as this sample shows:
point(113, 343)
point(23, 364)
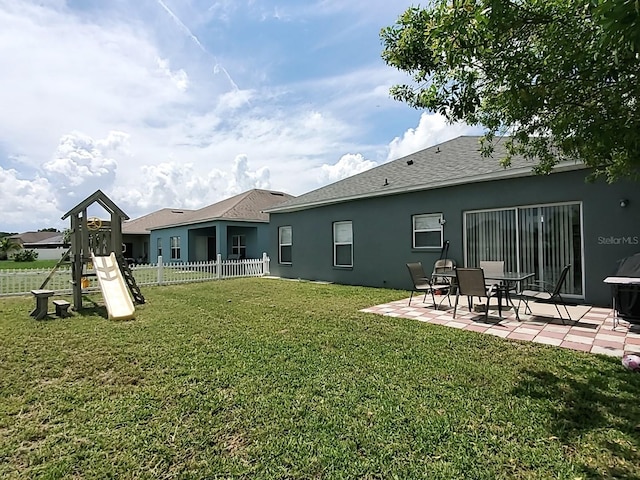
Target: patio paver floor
point(594, 332)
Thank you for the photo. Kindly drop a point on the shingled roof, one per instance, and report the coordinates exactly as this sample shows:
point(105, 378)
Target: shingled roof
point(248, 207)
point(143, 225)
point(455, 162)
point(34, 237)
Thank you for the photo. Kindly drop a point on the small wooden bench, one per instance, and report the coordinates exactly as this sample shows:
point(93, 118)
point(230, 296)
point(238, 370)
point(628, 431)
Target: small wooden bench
point(42, 303)
point(62, 308)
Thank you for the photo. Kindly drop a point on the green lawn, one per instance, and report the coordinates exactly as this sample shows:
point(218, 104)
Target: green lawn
point(259, 378)
point(10, 264)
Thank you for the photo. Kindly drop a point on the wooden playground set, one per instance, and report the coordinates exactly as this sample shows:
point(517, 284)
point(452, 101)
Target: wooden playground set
point(96, 251)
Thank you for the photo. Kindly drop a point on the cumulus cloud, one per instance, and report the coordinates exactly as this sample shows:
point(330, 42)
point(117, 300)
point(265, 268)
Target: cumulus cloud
point(178, 77)
point(432, 129)
point(348, 165)
point(81, 165)
point(27, 204)
point(175, 184)
point(244, 179)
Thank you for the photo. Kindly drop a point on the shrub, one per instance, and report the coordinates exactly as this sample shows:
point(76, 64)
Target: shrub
point(25, 256)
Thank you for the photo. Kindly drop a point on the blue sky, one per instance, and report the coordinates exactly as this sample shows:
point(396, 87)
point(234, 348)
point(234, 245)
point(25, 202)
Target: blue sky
point(181, 103)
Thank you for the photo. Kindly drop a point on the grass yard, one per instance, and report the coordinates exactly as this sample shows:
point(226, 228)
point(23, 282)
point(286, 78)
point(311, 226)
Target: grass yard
point(260, 379)
point(10, 264)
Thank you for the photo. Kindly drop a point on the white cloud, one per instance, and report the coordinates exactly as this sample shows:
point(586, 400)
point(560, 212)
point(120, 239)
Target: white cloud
point(175, 184)
point(431, 130)
point(82, 165)
point(244, 179)
point(29, 204)
point(348, 165)
point(178, 77)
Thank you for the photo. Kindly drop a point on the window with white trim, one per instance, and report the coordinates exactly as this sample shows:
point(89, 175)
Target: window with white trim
point(284, 244)
point(239, 246)
point(175, 247)
point(342, 244)
point(427, 230)
point(159, 242)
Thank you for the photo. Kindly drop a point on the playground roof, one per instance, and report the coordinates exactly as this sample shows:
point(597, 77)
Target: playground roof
point(97, 197)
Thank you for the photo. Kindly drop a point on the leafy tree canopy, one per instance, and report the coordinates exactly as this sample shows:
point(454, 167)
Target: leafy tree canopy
point(50, 229)
point(8, 245)
point(559, 78)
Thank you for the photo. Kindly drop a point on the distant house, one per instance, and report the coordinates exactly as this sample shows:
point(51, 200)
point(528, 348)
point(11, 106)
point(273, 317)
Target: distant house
point(48, 245)
point(136, 233)
point(363, 230)
point(236, 227)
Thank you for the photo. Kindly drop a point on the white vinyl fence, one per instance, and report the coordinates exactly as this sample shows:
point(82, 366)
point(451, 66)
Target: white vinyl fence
point(21, 282)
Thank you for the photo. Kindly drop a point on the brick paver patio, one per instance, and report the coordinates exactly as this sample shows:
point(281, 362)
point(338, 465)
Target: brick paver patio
point(593, 332)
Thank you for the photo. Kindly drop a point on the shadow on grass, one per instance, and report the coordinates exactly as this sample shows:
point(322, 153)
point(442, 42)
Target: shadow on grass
point(92, 311)
point(592, 405)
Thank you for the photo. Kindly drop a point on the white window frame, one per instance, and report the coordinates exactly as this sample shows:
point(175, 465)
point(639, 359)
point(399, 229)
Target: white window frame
point(175, 247)
point(159, 246)
point(239, 245)
point(336, 243)
point(285, 244)
point(414, 229)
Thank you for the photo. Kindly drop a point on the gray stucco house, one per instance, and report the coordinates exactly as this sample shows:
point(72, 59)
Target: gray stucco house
point(363, 230)
point(136, 233)
point(235, 228)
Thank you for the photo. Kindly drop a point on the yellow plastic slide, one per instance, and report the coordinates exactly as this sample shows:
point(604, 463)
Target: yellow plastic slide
point(114, 290)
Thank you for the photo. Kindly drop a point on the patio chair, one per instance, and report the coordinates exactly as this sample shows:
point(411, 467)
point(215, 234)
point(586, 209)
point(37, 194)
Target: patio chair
point(444, 265)
point(547, 293)
point(495, 267)
point(471, 282)
point(444, 274)
point(422, 283)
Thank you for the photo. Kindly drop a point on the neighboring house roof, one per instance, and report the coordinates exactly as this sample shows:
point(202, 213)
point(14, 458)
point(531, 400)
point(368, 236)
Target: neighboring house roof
point(28, 238)
point(247, 207)
point(455, 162)
point(143, 225)
point(58, 239)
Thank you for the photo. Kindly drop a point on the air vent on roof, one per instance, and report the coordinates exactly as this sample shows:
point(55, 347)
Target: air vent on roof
point(177, 211)
point(277, 194)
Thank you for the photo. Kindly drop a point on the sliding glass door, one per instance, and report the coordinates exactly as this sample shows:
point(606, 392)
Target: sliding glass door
point(541, 239)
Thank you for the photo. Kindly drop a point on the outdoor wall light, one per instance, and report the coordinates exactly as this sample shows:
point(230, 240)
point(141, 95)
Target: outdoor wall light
point(624, 202)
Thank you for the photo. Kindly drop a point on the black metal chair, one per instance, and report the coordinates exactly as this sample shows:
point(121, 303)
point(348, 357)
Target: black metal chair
point(422, 283)
point(548, 293)
point(471, 282)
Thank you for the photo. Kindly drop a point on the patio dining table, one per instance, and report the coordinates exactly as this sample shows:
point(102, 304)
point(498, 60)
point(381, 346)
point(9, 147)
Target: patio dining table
point(507, 280)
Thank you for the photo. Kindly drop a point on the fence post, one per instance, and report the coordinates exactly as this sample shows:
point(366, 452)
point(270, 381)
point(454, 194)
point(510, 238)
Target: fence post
point(218, 266)
point(265, 264)
point(160, 270)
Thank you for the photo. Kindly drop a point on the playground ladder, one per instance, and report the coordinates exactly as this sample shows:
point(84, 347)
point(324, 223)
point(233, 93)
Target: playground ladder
point(127, 274)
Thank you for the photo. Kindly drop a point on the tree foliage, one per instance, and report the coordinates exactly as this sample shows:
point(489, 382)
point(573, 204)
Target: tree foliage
point(559, 78)
point(8, 245)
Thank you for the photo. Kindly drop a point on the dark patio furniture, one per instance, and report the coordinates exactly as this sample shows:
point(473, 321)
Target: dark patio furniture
point(422, 283)
point(548, 293)
point(471, 282)
point(625, 287)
